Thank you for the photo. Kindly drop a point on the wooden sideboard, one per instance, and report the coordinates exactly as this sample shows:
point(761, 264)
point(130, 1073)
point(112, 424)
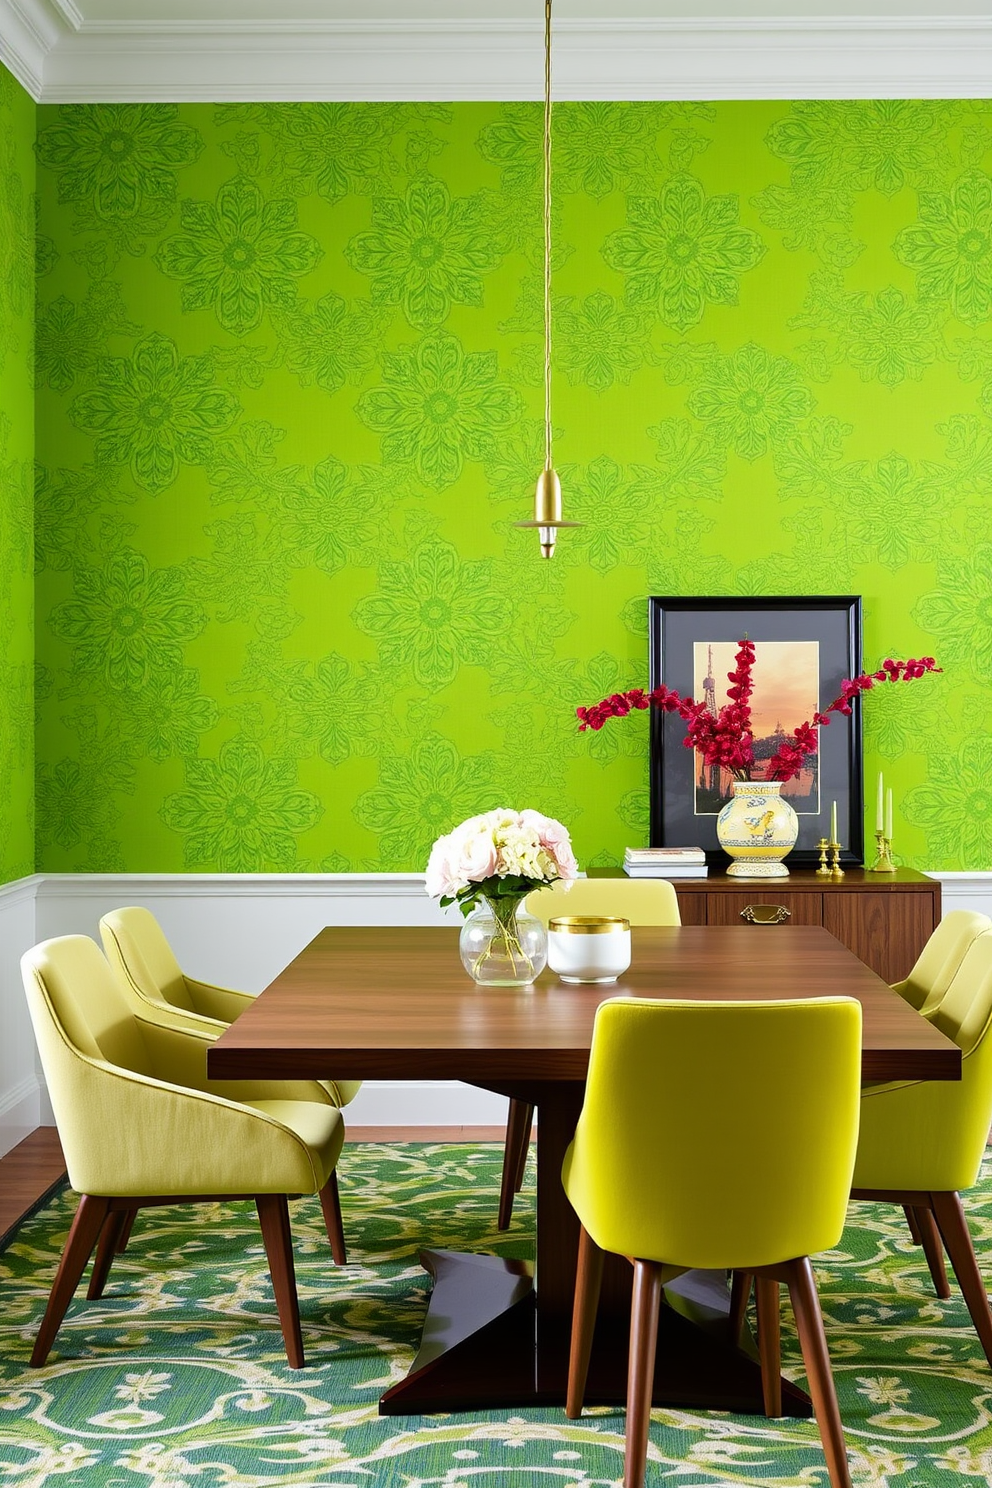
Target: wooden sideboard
point(884, 918)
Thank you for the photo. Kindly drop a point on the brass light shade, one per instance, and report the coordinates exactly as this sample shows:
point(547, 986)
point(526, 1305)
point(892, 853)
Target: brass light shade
point(547, 510)
point(547, 494)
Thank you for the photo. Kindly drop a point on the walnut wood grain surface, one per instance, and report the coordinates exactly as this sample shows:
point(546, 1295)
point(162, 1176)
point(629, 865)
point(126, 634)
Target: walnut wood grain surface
point(368, 1002)
point(380, 1003)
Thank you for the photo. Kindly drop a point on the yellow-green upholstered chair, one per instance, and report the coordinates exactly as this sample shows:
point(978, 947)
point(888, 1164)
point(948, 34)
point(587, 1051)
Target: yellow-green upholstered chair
point(150, 976)
point(642, 901)
point(715, 1135)
point(922, 1141)
point(940, 958)
point(140, 1124)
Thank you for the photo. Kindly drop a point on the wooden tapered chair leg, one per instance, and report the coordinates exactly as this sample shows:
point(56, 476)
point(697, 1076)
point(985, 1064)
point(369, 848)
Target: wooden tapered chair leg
point(769, 1344)
point(914, 1228)
point(740, 1292)
point(588, 1279)
point(107, 1247)
point(813, 1342)
point(640, 1368)
point(933, 1250)
point(519, 1120)
point(524, 1151)
point(948, 1211)
point(83, 1233)
point(126, 1228)
point(273, 1216)
point(330, 1203)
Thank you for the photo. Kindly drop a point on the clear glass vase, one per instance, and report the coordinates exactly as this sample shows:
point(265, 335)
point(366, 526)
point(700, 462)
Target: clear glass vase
point(501, 945)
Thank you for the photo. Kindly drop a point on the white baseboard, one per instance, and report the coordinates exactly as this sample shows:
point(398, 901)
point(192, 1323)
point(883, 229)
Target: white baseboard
point(241, 929)
point(425, 1103)
point(21, 1112)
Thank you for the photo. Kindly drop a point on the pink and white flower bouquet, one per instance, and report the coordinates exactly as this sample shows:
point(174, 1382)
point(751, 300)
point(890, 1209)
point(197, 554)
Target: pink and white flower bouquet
point(499, 856)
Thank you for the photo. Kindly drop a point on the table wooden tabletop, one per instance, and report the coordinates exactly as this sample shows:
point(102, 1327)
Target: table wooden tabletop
point(367, 1002)
point(380, 1003)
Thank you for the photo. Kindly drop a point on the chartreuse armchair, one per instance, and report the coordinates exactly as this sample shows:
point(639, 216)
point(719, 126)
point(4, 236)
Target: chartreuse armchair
point(642, 901)
point(140, 1124)
point(922, 1141)
point(715, 1135)
point(150, 975)
point(940, 958)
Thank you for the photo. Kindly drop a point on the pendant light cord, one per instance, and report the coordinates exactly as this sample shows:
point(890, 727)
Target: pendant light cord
point(547, 234)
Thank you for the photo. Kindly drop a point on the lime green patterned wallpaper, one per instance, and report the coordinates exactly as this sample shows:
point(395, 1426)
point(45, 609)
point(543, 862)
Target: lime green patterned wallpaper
point(17, 115)
point(289, 384)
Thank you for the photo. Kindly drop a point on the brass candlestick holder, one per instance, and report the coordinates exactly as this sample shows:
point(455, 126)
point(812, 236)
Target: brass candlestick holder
point(824, 868)
point(836, 871)
point(883, 862)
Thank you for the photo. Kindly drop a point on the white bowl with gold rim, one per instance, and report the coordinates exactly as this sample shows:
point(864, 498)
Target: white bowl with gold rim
point(588, 948)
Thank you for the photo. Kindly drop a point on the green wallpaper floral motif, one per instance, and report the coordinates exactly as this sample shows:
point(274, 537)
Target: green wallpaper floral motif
point(289, 407)
point(17, 121)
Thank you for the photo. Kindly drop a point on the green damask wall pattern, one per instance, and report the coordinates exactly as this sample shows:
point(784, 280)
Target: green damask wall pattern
point(17, 170)
point(289, 406)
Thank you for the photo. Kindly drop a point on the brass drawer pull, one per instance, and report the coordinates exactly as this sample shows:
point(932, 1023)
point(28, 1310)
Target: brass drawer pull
point(765, 914)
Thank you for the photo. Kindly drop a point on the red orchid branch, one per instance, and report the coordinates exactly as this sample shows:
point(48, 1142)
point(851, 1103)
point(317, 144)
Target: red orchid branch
point(726, 738)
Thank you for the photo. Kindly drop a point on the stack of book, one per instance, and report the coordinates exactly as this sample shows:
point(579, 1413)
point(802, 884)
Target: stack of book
point(664, 862)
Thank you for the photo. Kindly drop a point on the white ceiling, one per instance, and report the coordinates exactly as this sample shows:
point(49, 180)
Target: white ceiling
point(214, 50)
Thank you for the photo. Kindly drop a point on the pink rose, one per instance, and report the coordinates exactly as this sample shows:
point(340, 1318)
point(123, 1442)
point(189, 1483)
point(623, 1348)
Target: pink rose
point(479, 856)
point(442, 868)
point(555, 840)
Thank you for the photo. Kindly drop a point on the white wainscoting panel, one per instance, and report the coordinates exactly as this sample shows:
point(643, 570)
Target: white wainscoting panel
point(965, 891)
point(241, 929)
point(22, 1105)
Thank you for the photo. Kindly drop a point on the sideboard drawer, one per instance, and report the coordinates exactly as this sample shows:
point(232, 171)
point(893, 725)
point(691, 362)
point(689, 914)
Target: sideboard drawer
point(725, 908)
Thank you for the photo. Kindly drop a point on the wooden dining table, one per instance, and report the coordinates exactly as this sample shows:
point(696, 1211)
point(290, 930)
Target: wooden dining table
point(388, 1003)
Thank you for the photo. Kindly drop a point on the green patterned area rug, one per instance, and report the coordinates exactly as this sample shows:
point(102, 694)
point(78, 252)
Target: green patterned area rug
point(177, 1379)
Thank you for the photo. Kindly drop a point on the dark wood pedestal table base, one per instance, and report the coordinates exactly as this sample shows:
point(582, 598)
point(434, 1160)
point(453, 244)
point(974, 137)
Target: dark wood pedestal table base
point(396, 1003)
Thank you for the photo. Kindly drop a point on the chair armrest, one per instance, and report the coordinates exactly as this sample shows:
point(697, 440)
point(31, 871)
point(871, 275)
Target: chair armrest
point(130, 1134)
point(179, 1056)
point(217, 1002)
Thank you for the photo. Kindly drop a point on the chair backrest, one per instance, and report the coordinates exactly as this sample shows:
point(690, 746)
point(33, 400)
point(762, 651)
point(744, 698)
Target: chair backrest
point(940, 958)
point(642, 901)
point(718, 1134)
point(932, 1134)
point(82, 999)
point(79, 1015)
point(964, 1010)
point(138, 951)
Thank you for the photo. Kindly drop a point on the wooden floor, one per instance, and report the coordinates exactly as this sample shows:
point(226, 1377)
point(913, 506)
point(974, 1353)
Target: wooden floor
point(31, 1168)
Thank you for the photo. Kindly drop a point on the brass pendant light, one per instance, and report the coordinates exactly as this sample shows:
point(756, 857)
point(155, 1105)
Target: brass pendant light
point(547, 496)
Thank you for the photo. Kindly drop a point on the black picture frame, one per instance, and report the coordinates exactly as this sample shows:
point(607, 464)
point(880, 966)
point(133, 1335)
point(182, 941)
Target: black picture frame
point(674, 625)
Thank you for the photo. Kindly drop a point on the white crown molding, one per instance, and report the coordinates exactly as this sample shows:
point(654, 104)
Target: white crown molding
point(747, 58)
point(28, 33)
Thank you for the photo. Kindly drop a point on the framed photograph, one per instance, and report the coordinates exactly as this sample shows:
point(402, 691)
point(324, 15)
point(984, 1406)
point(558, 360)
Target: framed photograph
point(804, 649)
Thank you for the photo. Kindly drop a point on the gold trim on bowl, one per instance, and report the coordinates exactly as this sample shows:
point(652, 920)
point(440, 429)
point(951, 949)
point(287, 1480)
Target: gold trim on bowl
point(588, 924)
